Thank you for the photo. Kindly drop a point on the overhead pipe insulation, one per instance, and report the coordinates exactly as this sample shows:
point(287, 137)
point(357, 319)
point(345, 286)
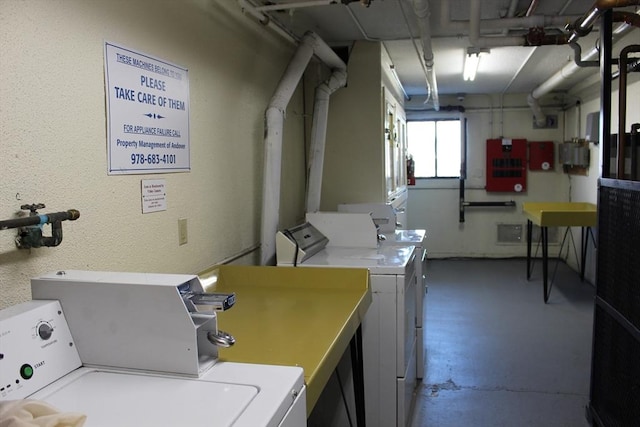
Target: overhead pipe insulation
point(311, 44)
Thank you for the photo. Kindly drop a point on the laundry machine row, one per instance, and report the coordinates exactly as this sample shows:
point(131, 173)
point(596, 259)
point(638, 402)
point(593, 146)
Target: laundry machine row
point(389, 329)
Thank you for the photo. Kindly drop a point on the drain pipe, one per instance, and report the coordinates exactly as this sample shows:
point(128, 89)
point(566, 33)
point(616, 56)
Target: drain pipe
point(274, 123)
point(319, 136)
point(533, 99)
point(422, 11)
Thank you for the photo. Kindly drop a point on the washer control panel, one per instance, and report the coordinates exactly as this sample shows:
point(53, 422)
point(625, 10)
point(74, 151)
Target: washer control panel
point(36, 348)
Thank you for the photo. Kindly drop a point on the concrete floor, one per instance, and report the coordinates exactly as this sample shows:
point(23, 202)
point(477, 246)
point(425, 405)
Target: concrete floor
point(497, 355)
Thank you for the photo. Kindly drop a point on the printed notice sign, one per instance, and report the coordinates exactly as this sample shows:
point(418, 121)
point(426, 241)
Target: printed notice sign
point(147, 113)
point(154, 195)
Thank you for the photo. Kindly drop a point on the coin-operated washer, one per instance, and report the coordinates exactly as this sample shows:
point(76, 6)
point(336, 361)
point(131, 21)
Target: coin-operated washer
point(137, 349)
point(390, 233)
point(331, 239)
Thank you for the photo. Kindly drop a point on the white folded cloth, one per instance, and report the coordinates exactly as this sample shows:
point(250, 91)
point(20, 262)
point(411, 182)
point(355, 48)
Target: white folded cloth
point(35, 413)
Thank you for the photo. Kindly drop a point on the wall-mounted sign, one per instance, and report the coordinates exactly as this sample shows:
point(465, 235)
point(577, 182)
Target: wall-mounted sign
point(147, 113)
point(154, 195)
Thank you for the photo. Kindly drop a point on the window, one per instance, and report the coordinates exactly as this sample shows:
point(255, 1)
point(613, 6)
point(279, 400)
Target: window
point(435, 146)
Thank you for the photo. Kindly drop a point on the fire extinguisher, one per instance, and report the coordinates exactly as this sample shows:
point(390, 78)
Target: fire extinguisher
point(411, 171)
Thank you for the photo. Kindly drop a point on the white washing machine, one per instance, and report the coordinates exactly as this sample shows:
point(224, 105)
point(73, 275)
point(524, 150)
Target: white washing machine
point(385, 217)
point(416, 238)
point(389, 327)
point(40, 359)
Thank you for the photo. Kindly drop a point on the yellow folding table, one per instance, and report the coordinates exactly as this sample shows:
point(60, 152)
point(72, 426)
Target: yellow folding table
point(558, 214)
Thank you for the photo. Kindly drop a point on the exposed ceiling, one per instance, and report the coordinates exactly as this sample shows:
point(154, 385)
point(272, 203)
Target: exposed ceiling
point(506, 69)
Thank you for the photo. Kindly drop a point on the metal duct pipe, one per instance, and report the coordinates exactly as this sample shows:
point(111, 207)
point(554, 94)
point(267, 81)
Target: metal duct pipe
point(583, 25)
point(423, 13)
point(274, 123)
point(319, 136)
point(564, 73)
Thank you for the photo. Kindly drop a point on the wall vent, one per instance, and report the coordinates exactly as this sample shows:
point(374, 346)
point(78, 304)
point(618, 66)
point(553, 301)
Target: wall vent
point(510, 234)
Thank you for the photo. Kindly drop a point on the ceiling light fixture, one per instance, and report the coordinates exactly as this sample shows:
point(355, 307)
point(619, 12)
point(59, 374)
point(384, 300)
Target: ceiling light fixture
point(471, 62)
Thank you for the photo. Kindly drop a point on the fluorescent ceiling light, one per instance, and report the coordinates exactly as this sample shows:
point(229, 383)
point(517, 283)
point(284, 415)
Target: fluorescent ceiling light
point(471, 62)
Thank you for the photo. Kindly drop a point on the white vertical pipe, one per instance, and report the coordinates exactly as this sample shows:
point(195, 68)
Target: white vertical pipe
point(274, 123)
point(319, 136)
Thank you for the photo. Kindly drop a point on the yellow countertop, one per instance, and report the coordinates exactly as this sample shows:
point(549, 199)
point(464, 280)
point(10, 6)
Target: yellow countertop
point(291, 316)
point(561, 214)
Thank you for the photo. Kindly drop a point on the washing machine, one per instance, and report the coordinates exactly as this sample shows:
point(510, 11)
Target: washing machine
point(389, 327)
point(385, 217)
point(110, 347)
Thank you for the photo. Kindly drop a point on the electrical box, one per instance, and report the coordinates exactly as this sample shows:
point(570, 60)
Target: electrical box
point(506, 165)
point(541, 155)
point(574, 154)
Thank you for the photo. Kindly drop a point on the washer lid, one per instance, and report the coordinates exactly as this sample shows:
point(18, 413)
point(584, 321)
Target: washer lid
point(119, 399)
point(405, 237)
point(383, 260)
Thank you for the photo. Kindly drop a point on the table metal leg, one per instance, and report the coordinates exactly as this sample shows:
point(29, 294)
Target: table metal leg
point(583, 250)
point(357, 366)
point(545, 262)
point(529, 235)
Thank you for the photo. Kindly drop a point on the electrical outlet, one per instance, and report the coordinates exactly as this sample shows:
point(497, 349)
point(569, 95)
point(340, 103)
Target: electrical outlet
point(182, 231)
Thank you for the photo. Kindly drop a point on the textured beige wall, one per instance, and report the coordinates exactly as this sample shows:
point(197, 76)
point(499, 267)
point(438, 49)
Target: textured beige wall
point(53, 135)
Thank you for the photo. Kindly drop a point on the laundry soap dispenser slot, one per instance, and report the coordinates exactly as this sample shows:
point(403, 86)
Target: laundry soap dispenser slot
point(295, 245)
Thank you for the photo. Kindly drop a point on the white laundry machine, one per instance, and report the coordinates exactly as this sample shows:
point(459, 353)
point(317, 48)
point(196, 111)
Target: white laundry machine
point(385, 218)
point(48, 354)
point(389, 327)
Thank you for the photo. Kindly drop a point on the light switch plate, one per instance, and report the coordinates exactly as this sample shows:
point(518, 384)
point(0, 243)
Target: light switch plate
point(182, 231)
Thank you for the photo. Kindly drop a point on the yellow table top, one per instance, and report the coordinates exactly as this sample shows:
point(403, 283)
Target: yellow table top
point(292, 316)
point(561, 214)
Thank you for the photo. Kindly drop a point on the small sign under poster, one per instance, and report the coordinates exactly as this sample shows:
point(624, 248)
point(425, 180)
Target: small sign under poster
point(154, 195)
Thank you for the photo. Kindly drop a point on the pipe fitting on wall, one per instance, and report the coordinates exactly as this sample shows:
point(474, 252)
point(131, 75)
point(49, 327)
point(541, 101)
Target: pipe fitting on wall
point(30, 227)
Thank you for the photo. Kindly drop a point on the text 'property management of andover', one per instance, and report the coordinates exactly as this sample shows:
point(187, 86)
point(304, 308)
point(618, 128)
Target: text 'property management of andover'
point(148, 113)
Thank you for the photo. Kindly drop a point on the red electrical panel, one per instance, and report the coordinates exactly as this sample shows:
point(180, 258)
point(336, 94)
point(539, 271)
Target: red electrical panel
point(541, 155)
point(506, 165)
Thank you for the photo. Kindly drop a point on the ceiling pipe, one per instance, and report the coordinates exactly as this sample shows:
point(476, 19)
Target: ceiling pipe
point(511, 12)
point(532, 7)
point(263, 19)
point(423, 13)
point(533, 99)
point(296, 5)
point(475, 25)
point(311, 44)
point(486, 42)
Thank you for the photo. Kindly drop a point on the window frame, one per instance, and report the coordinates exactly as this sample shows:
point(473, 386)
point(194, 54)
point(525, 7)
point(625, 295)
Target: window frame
point(463, 145)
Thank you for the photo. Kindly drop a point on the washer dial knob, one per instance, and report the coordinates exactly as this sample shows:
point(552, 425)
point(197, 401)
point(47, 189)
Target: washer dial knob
point(45, 331)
